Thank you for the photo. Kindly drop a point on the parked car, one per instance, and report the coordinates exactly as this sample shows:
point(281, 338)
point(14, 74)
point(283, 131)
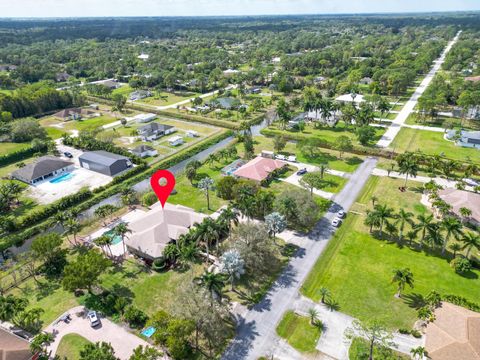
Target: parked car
point(341, 214)
point(336, 222)
point(281, 157)
point(68, 154)
point(93, 318)
point(292, 158)
point(302, 172)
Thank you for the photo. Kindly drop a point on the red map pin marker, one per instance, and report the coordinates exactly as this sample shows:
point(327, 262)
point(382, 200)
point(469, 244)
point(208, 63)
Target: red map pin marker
point(162, 188)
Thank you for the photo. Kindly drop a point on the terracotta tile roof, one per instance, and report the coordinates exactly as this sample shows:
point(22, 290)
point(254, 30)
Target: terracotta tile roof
point(455, 334)
point(259, 168)
point(13, 347)
point(461, 198)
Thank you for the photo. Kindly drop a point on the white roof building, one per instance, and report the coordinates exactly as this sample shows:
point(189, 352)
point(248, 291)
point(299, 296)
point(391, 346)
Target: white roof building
point(143, 118)
point(357, 99)
point(143, 56)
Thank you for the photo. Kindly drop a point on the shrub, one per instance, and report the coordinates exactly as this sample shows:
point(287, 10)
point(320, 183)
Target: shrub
point(461, 301)
point(416, 334)
point(461, 265)
point(23, 154)
point(225, 187)
point(159, 264)
point(404, 331)
point(135, 317)
point(149, 198)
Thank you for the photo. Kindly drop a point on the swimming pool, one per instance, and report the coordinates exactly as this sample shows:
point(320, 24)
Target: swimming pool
point(115, 238)
point(148, 332)
point(62, 178)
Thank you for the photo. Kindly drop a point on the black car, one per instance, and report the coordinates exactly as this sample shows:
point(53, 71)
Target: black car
point(302, 172)
point(68, 154)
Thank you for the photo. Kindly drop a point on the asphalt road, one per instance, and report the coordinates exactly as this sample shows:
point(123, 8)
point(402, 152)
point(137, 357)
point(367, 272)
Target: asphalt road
point(256, 328)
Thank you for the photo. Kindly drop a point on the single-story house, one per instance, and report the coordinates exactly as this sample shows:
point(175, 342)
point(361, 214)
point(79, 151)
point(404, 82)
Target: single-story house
point(14, 347)
point(63, 76)
point(7, 67)
point(472, 113)
point(462, 199)
point(366, 81)
point(348, 98)
point(226, 103)
point(144, 151)
point(454, 334)
point(43, 168)
point(104, 162)
point(158, 227)
point(230, 72)
point(319, 79)
point(259, 169)
point(140, 94)
point(154, 131)
point(109, 83)
point(143, 56)
point(192, 133)
point(254, 90)
point(75, 114)
point(175, 141)
point(144, 118)
point(464, 138)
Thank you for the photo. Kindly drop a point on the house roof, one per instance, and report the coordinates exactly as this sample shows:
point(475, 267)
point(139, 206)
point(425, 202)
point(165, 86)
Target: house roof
point(455, 334)
point(259, 168)
point(461, 198)
point(154, 126)
point(348, 98)
point(102, 157)
point(142, 148)
point(13, 347)
point(152, 232)
point(68, 112)
point(41, 167)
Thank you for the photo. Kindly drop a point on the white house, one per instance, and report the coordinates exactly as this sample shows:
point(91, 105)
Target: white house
point(356, 98)
point(143, 56)
point(144, 118)
point(175, 141)
point(144, 151)
point(464, 138)
point(153, 131)
point(192, 133)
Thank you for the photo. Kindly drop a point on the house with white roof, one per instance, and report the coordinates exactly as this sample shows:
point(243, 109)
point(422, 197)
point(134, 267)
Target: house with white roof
point(464, 138)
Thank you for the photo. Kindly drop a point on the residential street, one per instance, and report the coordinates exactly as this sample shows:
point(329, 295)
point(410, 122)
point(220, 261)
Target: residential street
point(409, 107)
point(256, 327)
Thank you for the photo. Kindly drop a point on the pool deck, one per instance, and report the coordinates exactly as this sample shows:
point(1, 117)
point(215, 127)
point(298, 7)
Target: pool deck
point(46, 192)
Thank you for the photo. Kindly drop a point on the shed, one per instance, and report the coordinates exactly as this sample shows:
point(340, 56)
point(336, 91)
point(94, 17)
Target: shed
point(104, 162)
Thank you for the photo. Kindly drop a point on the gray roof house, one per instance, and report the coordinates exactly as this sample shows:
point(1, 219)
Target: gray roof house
point(140, 94)
point(464, 138)
point(144, 151)
point(43, 168)
point(104, 162)
point(154, 130)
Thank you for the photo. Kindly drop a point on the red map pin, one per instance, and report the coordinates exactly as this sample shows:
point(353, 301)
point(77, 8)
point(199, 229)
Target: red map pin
point(162, 183)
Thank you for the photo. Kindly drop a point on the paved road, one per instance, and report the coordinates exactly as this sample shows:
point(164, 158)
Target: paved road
point(402, 116)
point(122, 341)
point(256, 327)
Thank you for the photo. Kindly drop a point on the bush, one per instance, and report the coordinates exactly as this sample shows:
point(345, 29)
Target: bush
point(135, 317)
point(149, 198)
point(404, 331)
point(461, 265)
point(416, 334)
point(461, 301)
point(225, 187)
point(159, 264)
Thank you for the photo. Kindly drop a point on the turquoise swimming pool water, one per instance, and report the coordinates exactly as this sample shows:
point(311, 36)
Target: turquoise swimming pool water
point(115, 238)
point(148, 332)
point(62, 178)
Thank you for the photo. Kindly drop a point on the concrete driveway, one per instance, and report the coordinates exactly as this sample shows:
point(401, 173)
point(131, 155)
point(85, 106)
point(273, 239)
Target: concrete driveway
point(122, 341)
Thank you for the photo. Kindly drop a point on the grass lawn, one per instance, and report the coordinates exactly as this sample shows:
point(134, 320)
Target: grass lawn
point(166, 98)
point(357, 268)
point(333, 184)
point(70, 346)
point(55, 128)
point(328, 133)
point(7, 147)
point(441, 121)
point(298, 332)
point(359, 350)
point(123, 90)
point(432, 143)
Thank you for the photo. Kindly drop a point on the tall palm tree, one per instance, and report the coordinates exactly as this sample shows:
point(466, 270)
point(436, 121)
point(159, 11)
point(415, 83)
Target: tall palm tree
point(452, 227)
point(408, 165)
point(402, 277)
point(383, 212)
point(372, 220)
point(313, 315)
point(403, 217)
point(465, 213)
point(213, 283)
point(425, 223)
point(103, 242)
point(411, 235)
point(206, 233)
point(72, 227)
point(229, 216)
point(434, 236)
point(324, 294)
point(470, 241)
point(122, 230)
point(455, 247)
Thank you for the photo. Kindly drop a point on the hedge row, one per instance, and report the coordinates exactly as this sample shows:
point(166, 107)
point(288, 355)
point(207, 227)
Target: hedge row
point(20, 155)
point(195, 118)
point(105, 192)
point(461, 301)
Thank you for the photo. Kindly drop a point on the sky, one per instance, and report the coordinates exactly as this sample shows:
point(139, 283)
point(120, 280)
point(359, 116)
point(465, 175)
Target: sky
point(81, 8)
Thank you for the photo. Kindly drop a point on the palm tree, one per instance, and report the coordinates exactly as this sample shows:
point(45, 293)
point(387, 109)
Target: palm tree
point(372, 220)
point(213, 283)
point(374, 200)
point(418, 352)
point(211, 159)
point(383, 212)
point(205, 233)
point(229, 216)
point(455, 247)
point(104, 241)
point(470, 241)
point(425, 223)
point(324, 294)
point(407, 165)
point(452, 227)
point(187, 253)
point(402, 277)
point(434, 236)
point(122, 230)
point(313, 315)
point(322, 169)
point(72, 227)
point(411, 235)
point(403, 217)
point(465, 213)
point(207, 184)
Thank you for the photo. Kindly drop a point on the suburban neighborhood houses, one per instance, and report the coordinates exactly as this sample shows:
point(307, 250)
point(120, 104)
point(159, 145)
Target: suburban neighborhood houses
point(326, 202)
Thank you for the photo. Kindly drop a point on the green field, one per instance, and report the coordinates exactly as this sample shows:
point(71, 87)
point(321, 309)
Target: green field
point(357, 268)
point(359, 350)
point(165, 98)
point(7, 147)
point(298, 332)
point(442, 121)
point(70, 346)
point(56, 128)
point(430, 142)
